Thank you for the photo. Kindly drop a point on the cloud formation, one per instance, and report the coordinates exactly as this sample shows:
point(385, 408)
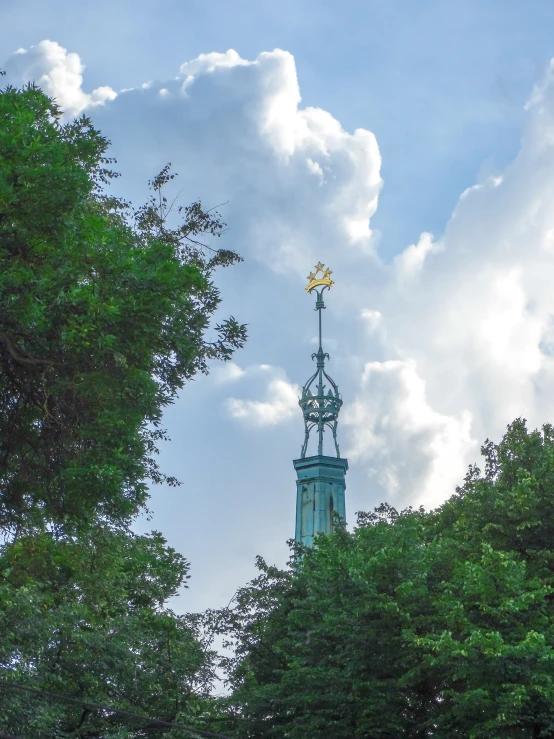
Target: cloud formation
point(470, 319)
point(405, 443)
point(457, 332)
point(59, 73)
point(279, 404)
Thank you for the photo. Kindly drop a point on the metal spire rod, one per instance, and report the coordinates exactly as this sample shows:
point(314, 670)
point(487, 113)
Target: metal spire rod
point(320, 410)
point(319, 327)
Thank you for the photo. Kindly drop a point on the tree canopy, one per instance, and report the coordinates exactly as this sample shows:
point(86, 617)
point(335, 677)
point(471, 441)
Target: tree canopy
point(89, 619)
point(415, 624)
point(105, 313)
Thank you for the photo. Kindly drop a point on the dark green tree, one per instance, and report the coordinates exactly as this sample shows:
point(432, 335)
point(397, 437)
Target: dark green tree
point(416, 624)
point(89, 620)
point(105, 313)
point(104, 316)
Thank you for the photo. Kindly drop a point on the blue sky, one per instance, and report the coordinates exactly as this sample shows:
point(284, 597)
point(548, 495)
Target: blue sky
point(415, 119)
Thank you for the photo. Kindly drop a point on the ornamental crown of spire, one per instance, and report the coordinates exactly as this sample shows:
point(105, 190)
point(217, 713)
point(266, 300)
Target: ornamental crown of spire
point(315, 281)
point(320, 401)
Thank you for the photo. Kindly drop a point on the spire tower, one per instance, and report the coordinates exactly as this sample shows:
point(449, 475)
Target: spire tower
point(320, 483)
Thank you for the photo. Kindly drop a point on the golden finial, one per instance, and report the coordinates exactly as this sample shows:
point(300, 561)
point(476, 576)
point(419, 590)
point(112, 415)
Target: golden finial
point(314, 280)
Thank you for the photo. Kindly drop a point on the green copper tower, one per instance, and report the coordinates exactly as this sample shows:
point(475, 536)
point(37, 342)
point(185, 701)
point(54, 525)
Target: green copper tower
point(320, 483)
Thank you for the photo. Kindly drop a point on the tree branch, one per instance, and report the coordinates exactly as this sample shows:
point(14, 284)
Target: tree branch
point(19, 357)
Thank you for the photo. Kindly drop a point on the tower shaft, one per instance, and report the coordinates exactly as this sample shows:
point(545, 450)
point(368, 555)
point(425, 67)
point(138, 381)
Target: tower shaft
point(320, 488)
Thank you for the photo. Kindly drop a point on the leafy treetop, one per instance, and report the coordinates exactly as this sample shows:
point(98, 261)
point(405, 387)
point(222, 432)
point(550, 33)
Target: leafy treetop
point(105, 315)
point(415, 624)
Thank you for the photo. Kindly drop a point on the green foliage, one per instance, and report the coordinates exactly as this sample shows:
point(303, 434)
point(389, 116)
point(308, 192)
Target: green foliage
point(87, 618)
point(416, 624)
point(104, 318)
point(104, 315)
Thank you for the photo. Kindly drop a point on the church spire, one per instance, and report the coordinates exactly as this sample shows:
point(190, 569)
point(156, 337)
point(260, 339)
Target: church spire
point(320, 483)
point(320, 409)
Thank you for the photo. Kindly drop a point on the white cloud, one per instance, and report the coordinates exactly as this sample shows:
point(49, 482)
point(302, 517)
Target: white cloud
point(280, 404)
point(477, 323)
point(58, 73)
point(315, 169)
point(409, 263)
point(227, 372)
point(207, 63)
point(309, 187)
point(372, 318)
point(416, 454)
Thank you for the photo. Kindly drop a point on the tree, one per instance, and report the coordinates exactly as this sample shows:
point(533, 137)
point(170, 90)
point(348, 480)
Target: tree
point(104, 317)
point(105, 314)
point(88, 619)
point(416, 624)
